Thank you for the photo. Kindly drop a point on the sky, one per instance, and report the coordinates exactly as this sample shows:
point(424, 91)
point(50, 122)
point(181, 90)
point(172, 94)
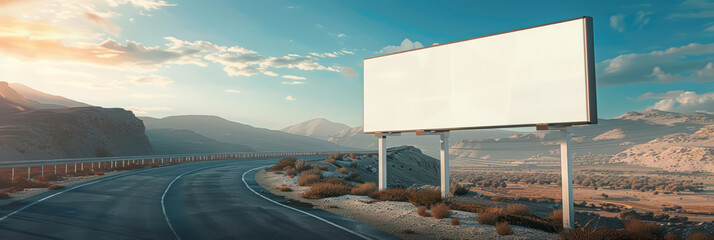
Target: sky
point(272, 64)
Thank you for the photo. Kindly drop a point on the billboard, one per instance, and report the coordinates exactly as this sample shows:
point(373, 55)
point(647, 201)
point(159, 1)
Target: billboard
point(538, 75)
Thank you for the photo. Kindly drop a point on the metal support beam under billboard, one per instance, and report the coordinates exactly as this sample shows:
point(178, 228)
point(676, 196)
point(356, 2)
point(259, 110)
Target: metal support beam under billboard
point(566, 174)
point(444, 159)
point(382, 155)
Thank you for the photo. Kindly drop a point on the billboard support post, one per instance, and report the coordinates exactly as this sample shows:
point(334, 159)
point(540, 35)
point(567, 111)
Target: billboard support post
point(566, 174)
point(444, 159)
point(382, 154)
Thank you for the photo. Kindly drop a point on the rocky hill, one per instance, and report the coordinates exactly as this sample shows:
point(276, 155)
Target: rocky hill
point(182, 141)
point(32, 130)
point(318, 128)
point(406, 166)
point(675, 152)
point(591, 144)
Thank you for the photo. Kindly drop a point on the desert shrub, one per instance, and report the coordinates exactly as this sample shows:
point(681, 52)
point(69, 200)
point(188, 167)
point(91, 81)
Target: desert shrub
point(353, 164)
point(440, 210)
point(342, 170)
point(588, 233)
point(699, 236)
point(301, 165)
point(4, 196)
point(24, 183)
point(353, 176)
point(364, 189)
point(455, 222)
point(457, 190)
point(423, 211)
point(639, 228)
point(334, 156)
point(55, 187)
point(423, 198)
point(352, 155)
point(98, 173)
point(488, 215)
point(499, 199)
point(285, 189)
point(518, 209)
point(285, 162)
point(309, 177)
point(671, 236)
point(52, 177)
point(332, 161)
point(323, 190)
point(556, 217)
point(503, 229)
point(291, 171)
point(474, 208)
point(392, 194)
point(334, 180)
point(323, 167)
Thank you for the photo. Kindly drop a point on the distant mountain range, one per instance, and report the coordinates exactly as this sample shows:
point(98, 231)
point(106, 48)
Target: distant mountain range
point(182, 141)
point(319, 128)
point(40, 128)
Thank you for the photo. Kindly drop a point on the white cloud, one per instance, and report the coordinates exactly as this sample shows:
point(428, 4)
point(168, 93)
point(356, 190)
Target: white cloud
point(340, 35)
point(348, 72)
point(146, 110)
point(685, 63)
point(131, 19)
point(153, 80)
point(269, 73)
point(293, 83)
point(293, 77)
point(290, 98)
point(405, 45)
point(319, 25)
point(642, 18)
point(695, 9)
point(232, 91)
point(681, 101)
point(617, 22)
point(146, 4)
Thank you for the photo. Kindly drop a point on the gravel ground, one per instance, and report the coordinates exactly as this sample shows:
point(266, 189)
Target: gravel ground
point(396, 217)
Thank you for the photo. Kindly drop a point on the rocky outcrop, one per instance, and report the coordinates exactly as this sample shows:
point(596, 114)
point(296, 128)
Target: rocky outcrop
point(406, 166)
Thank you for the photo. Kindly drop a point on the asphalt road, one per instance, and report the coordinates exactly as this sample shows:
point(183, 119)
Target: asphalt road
point(201, 200)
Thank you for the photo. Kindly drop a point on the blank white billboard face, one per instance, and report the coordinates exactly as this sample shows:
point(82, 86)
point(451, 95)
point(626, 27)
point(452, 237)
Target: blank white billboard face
point(539, 75)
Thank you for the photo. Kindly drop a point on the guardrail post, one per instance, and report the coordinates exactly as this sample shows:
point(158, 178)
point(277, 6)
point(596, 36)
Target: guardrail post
point(81, 166)
point(123, 163)
point(28, 173)
point(43, 171)
point(92, 166)
point(75, 167)
point(65, 168)
point(55, 169)
point(12, 178)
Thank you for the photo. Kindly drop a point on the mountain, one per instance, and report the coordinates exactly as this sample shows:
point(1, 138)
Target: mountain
point(182, 141)
point(355, 137)
point(675, 152)
point(44, 98)
point(259, 139)
point(318, 128)
point(32, 130)
point(591, 144)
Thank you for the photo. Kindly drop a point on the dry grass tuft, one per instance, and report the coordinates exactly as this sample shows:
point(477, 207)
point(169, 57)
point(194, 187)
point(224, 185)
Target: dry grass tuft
point(671, 236)
point(457, 189)
point(423, 198)
point(440, 210)
point(556, 217)
point(422, 211)
point(392, 194)
point(499, 199)
point(699, 236)
point(285, 189)
point(518, 209)
point(323, 190)
point(291, 171)
point(588, 233)
point(488, 215)
point(455, 222)
point(639, 228)
point(353, 176)
point(285, 162)
point(353, 164)
point(310, 177)
point(55, 187)
point(301, 165)
point(364, 189)
point(98, 173)
point(323, 167)
point(342, 170)
point(503, 229)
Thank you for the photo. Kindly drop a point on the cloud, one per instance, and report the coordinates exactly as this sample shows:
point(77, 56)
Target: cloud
point(146, 4)
point(642, 18)
point(152, 80)
point(293, 77)
point(341, 35)
point(100, 19)
point(146, 110)
point(232, 91)
point(290, 98)
point(331, 54)
point(681, 101)
point(405, 45)
point(348, 72)
point(269, 73)
point(617, 22)
point(662, 66)
point(293, 83)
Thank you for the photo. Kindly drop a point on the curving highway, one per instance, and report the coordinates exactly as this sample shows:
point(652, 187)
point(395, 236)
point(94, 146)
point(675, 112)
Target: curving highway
point(199, 200)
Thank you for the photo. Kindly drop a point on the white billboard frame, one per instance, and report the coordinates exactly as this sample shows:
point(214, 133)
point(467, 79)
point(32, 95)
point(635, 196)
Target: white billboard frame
point(589, 78)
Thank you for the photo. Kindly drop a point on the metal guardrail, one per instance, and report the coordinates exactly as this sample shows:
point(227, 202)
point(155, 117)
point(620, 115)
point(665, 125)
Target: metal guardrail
point(153, 159)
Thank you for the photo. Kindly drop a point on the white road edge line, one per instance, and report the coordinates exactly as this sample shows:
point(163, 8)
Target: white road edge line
point(70, 189)
point(298, 210)
point(163, 206)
